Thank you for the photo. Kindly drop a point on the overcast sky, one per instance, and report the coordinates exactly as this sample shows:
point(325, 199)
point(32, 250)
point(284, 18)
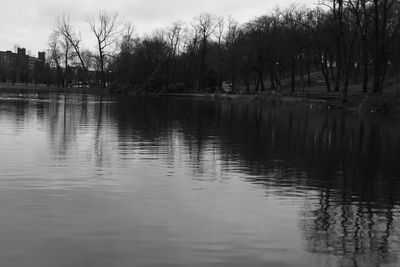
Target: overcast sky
point(28, 23)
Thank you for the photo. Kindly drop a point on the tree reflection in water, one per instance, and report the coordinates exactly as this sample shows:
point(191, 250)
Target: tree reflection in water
point(344, 166)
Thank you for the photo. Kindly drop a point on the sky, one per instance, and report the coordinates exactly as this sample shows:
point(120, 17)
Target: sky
point(29, 23)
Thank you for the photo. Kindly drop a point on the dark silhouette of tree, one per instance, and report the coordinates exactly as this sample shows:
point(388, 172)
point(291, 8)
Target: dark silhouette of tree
point(346, 42)
point(206, 26)
point(105, 26)
point(66, 30)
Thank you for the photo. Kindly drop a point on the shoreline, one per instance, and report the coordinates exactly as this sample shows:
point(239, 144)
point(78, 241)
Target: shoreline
point(384, 103)
point(31, 88)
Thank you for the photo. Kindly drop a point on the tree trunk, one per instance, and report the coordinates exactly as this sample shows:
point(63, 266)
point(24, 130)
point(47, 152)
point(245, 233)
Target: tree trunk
point(308, 70)
point(247, 83)
point(167, 66)
point(325, 73)
point(262, 81)
point(378, 60)
point(272, 80)
point(293, 75)
point(103, 76)
point(202, 66)
point(257, 84)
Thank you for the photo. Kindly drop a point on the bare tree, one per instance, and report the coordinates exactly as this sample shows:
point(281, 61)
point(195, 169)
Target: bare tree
point(105, 25)
point(174, 38)
point(54, 49)
point(206, 25)
point(220, 29)
point(60, 53)
point(126, 42)
point(54, 53)
point(65, 29)
point(361, 12)
point(383, 11)
point(232, 37)
point(191, 41)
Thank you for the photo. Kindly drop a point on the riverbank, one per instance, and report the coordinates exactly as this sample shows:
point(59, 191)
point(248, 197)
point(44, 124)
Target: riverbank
point(364, 102)
point(22, 88)
point(312, 97)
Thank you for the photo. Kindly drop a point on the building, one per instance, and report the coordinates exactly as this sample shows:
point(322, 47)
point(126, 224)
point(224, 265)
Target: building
point(18, 67)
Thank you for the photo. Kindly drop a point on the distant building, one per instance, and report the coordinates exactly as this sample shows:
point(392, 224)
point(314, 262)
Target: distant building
point(19, 67)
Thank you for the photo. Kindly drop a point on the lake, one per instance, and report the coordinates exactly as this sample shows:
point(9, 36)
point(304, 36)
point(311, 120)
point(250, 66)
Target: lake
point(90, 181)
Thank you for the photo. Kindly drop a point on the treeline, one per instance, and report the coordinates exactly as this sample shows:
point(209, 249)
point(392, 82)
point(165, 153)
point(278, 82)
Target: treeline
point(71, 63)
point(339, 42)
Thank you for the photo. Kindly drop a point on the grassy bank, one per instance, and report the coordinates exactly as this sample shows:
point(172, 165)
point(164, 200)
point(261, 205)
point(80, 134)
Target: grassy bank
point(314, 95)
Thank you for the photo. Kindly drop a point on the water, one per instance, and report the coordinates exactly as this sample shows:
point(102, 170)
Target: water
point(177, 182)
